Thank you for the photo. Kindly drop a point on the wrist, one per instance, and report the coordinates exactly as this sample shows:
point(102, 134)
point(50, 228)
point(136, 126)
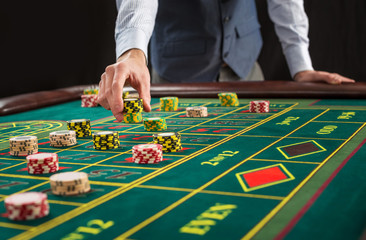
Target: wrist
point(299, 75)
point(133, 53)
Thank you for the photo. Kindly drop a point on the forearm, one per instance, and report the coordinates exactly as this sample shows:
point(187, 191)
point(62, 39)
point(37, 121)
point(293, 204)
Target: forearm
point(291, 25)
point(134, 24)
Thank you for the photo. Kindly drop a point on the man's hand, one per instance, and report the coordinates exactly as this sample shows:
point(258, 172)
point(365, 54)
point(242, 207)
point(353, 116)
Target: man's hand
point(130, 68)
point(319, 76)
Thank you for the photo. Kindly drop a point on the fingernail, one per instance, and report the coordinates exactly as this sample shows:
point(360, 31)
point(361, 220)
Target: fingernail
point(119, 117)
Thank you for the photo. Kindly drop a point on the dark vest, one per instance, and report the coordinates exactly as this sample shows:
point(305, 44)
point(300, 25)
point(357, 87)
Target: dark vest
point(193, 38)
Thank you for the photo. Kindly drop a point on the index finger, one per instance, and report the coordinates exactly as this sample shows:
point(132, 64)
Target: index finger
point(144, 93)
point(116, 103)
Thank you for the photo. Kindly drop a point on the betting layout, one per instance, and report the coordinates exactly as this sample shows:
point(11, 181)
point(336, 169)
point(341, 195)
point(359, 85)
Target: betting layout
point(249, 181)
point(33, 205)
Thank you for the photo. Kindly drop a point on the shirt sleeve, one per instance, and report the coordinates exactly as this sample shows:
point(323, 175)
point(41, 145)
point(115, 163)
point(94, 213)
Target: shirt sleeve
point(292, 26)
point(134, 24)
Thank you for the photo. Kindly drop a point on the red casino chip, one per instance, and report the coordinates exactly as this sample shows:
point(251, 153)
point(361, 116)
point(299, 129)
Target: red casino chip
point(90, 100)
point(26, 206)
point(42, 163)
point(42, 171)
point(152, 151)
point(147, 153)
point(259, 106)
point(147, 147)
point(147, 158)
point(51, 163)
point(148, 161)
point(40, 158)
point(152, 154)
point(151, 162)
point(43, 167)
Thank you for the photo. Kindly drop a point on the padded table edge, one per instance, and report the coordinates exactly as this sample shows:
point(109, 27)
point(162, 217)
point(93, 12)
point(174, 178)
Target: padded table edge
point(266, 89)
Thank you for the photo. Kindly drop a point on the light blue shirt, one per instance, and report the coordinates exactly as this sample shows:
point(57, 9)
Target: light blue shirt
point(136, 19)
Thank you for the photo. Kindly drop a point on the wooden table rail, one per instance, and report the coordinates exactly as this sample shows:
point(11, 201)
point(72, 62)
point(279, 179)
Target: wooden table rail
point(266, 89)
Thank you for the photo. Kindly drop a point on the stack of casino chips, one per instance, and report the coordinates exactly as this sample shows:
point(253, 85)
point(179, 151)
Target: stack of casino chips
point(155, 124)
point(228, 99)
point(42, 163)
point(80, 126)
point(132, 110)
point(168, 104)
point(171, 141)
point(69, 183)
point(105, 140)
point(91, 91)
point(27, 206)
point(63, 138)
point(196, 112)
point(23, 145)
point(147, 153)
point(259, 106)
point(89, 100)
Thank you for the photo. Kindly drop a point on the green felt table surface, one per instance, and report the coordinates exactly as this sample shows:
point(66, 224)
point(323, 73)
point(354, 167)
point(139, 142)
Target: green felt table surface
point(296, 172)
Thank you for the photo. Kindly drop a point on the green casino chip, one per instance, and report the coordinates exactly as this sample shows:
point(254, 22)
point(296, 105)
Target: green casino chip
point(169, 104)
point(132, 117)
point(229, 99)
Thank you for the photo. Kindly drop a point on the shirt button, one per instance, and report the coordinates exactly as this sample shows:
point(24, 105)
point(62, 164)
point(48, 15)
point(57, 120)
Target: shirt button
point(226, 19)
point(226, 54)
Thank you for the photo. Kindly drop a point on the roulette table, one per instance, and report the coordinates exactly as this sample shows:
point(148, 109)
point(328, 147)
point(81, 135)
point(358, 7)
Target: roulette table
point(296, 172)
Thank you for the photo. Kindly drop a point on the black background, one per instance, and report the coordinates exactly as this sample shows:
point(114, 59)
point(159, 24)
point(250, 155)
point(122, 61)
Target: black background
point(52, 44)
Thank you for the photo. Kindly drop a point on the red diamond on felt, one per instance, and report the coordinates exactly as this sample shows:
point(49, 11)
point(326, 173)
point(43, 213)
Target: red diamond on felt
point(264, 176)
